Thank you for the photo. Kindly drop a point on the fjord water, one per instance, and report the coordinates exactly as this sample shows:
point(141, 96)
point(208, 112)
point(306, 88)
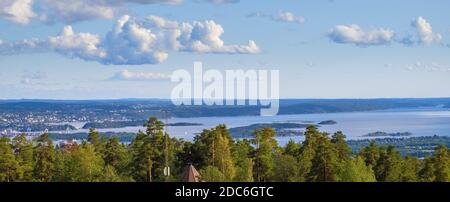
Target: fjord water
point(418, 121)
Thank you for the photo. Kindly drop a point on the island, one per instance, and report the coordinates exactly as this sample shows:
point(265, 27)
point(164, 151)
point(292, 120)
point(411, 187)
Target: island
point(327, 122)
point(282, 129)
point(384, 134)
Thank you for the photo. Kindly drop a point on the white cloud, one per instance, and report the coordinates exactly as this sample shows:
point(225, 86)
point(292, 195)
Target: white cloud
point(133, 42)
point(429, 67)
point(81, 45)
point(285, 16)
point(127, 75)
point(71, 11)
point(355, 35)
point(424, 32)
point(204, 37)
point(281, 16)
point(67, 11)
point(17, 11)
point(159, 22)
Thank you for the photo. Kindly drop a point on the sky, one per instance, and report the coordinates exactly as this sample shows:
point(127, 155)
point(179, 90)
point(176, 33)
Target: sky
point(99, 49)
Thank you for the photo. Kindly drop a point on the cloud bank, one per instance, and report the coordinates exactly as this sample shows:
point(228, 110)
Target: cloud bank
point(134, 42)
point(71, 11)
point(352, 34)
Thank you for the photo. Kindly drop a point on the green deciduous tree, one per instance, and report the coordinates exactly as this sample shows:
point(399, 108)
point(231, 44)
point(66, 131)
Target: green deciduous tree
point(86, 164)
point(212, 174)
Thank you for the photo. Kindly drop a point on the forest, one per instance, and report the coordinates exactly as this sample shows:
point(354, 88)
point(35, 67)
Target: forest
point(321, 157)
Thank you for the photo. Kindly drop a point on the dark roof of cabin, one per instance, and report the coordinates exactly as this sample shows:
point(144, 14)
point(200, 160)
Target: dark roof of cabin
point(191, 174)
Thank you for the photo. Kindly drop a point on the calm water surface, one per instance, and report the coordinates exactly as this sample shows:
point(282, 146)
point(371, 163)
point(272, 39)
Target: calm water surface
point(418, 121)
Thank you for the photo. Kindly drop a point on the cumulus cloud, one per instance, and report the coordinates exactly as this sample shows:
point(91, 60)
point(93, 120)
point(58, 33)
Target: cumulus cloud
point(424, 33)
point(133, 42)
point(353, 34)
point(17, 11)
point(204, 37)
point(286, 16)
point(126, 75)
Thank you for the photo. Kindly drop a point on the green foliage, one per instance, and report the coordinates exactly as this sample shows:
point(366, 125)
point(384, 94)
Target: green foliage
point(441, 164)
point(324, 163)
point(286, 168)
point(10, 170)
point(212, 174)
point(23, 149)
point(44, 158)
point(389, 165)
point(266, 145)
point(319, 158)
point(356, 170)
point(242, 151)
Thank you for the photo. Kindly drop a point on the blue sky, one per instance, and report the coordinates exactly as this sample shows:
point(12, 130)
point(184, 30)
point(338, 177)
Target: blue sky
point(323, 48)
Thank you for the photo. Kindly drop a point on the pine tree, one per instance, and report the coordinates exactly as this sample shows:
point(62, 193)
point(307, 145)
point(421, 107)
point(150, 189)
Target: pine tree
point(264, 154)
point(241, 151)
point(307, 152)
point(142, 153)
point(292, 148)
point(441, 164)
point(410, 169)
point(286, 168)
point(23, 150)
point(44, 157)
point(94, 137)
point(426, 173)
point(344, 151)
point(10, 169)
point(370, 154)
point(115, 155)
point(155, 132)
point(389, 165)
point(325, 165)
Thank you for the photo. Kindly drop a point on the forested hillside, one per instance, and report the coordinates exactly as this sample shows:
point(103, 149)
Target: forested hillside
point(321, 157)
